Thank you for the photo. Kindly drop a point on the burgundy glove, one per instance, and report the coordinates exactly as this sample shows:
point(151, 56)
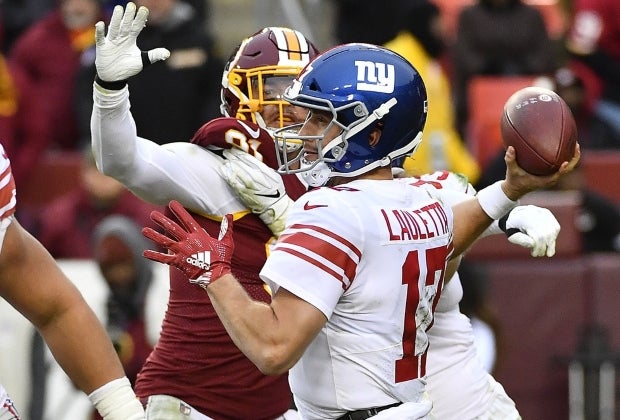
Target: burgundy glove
point(193, 251)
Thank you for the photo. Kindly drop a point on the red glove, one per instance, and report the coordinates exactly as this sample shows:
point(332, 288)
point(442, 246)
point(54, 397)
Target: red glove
point(193, 251)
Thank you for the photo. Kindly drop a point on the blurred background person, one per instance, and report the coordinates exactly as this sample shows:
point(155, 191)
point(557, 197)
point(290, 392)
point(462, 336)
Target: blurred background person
point(368, 21)
point(170, 101)
point(66, 225)
point(421, 40)
point(593, 44)
point(24, 137)
point(17, 15)
point(117, 246)
point(501, 38)
point(48, 53)
point(596, 131)
point(128, 294)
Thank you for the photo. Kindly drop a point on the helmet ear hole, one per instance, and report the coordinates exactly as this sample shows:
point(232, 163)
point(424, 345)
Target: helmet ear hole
point(374, 136)
point(235, 79)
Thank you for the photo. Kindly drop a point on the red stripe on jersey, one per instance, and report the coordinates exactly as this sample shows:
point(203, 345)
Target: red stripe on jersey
point(343, 258)
point(316, 263)
point(327, 250)
point(7, 193)
point(332, 235)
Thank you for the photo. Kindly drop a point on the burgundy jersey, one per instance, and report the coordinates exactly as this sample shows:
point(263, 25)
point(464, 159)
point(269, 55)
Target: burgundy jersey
point(195, 355)
point(226, 133)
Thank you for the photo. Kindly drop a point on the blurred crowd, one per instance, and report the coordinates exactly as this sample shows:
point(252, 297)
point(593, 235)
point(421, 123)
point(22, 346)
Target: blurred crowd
point(571, 46)
point(47, 69)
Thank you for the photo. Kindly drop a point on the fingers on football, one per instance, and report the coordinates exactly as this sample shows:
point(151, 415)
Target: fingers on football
point(184, 217)
point(567, 167)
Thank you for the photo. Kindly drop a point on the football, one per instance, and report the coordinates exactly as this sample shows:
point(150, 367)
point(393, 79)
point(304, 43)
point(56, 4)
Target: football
point(541, 127)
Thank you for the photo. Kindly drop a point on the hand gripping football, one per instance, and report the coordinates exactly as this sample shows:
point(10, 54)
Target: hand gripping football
point(541, 127)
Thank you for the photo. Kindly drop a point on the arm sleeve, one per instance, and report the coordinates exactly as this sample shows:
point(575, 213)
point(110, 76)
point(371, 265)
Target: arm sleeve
point(156, 173)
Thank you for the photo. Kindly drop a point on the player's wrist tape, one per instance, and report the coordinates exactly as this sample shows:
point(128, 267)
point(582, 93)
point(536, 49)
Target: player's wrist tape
point(117, 85)
point(117, 401)
point(494, 201)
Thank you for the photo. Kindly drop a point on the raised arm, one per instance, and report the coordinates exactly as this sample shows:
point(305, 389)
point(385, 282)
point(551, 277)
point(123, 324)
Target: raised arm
point(154, 173)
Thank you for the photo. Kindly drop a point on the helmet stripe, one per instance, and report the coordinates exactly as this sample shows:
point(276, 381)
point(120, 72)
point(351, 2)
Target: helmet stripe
point(291, 45)
point(293, 41)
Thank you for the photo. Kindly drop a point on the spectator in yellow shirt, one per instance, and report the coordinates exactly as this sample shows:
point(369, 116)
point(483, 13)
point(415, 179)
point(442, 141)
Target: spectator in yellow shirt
point(421, 42)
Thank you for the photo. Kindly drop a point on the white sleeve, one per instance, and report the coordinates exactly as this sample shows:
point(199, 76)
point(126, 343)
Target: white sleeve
point(454, 197)
point(156, 173)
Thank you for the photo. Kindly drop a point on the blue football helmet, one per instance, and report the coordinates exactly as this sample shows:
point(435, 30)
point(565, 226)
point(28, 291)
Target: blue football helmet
point(364, 87)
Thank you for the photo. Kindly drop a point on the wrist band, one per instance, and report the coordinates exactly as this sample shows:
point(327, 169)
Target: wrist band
point(117, 401)
point(502, 222)
point(494, 201)
point(118, 85)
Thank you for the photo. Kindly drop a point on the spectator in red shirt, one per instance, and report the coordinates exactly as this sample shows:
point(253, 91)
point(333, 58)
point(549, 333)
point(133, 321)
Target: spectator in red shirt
point(49, 55)
point(593, 42)
point(118, 245)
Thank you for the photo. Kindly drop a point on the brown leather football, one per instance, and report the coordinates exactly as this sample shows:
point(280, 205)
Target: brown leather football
point(541, 127)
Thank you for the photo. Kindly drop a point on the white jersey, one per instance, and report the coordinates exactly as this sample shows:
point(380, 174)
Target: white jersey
point(457, 383)
point(7, 187)
point(370, 255)
point(7, 209)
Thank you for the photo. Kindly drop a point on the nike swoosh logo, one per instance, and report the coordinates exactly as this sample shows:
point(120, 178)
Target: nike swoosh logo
point(253, 133)
point(274, 195)
point(309, 206)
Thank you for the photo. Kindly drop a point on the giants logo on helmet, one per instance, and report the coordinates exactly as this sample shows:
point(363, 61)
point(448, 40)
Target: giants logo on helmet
point(375, 77)
point(201, 260)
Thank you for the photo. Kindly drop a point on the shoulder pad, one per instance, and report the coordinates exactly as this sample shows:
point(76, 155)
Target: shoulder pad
point(448, 180)
point(226, 133)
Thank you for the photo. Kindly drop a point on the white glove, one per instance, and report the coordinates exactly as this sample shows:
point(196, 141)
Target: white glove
point(258, 186)
point(532, 227)
point(117, 55)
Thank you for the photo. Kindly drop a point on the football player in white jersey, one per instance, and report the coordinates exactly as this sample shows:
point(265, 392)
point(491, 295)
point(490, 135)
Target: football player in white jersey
point(32, 282)
point(457, 383)
point(357, 272)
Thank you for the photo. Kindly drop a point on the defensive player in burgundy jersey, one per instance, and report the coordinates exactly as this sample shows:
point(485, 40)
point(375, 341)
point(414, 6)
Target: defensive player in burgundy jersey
point(196, 370)
point(358, 271)
point(32, 282)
